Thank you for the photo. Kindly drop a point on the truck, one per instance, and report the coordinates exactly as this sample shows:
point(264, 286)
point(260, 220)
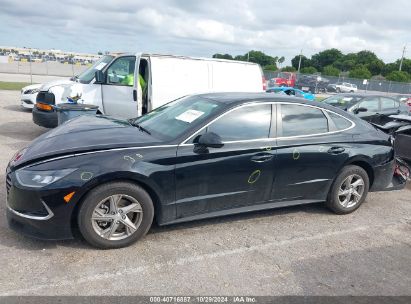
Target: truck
point(113, 83)
point(283, 79)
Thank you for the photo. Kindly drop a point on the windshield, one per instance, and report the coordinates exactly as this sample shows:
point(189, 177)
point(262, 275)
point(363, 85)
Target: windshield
point(88, 74)
point(175, 118)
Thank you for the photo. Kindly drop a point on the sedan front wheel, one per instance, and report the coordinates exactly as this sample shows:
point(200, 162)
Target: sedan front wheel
point(115, 215)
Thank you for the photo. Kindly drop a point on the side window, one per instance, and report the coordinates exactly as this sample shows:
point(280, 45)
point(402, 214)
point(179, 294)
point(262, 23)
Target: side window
point(388, 103)
point(250, 122)
point(301, 120)
point(371, 104)
point(340, 122)
point(121, 72)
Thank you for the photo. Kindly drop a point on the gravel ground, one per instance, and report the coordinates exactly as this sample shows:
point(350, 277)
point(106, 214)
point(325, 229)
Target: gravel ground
point(303, 250)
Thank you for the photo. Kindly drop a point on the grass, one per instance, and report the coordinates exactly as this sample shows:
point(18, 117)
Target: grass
point(12, 85)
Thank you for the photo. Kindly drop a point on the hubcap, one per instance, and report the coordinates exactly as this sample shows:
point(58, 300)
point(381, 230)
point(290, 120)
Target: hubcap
point(351, 191)
point(117, 217)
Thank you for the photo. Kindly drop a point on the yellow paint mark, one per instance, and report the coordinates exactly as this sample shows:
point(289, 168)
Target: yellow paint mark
point(296, 154)
point(254, 176)
point(68, 197)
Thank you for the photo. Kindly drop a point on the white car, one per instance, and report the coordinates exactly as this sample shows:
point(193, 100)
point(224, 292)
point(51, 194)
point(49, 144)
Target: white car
point(346, 87)
point(29, 95)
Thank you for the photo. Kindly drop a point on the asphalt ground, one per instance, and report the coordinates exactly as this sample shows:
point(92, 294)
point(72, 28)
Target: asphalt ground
point(304, 250)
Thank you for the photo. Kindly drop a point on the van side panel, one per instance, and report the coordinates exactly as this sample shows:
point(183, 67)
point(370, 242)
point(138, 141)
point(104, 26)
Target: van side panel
point(176, 77)
point(236, 77)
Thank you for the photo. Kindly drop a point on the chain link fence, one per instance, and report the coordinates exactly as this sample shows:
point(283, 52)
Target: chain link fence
point(50, 68)
point(321, 83)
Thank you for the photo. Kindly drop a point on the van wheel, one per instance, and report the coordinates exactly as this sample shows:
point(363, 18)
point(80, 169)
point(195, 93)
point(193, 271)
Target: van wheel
point(349, 190)
point(115, 215)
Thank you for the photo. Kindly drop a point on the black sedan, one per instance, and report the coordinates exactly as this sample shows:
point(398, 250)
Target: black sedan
point(372, 108)
point(201, 156)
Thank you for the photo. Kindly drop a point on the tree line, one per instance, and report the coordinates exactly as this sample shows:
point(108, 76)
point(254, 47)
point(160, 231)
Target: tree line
point(332, 62)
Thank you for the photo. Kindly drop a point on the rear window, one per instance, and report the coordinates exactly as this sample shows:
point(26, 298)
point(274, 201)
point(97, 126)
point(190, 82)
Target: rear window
point(340, 122)
point(301, 120)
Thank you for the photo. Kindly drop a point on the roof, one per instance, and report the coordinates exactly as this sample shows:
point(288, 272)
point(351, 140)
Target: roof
point(234, 98)
point(239, 97)
point(184, 57)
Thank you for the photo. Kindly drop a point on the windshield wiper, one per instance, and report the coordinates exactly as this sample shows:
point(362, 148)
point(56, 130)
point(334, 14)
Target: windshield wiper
point(132, 122)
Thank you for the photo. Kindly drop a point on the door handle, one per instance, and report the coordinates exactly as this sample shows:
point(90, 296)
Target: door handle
point(135, 95)
point(260, 158)
point(336, 150)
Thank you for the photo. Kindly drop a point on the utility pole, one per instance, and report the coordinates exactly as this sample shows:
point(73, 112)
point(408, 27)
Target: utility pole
point(402, 57)
point(299, 62)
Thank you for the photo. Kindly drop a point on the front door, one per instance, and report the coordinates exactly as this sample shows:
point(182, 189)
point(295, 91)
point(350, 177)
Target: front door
point(117, 91)
point(240, 173)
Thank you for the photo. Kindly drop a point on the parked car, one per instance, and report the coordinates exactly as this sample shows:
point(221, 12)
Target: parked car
point(292, 92)
point(406, 99)
point(109, 84)
point(372, 108)
point(28, 96)
point(200, 156)
point(311, 83)
point(342, 87)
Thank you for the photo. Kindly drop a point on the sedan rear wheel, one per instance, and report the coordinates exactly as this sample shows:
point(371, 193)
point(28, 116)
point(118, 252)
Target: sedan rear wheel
point(349, 190)
point(115, 215)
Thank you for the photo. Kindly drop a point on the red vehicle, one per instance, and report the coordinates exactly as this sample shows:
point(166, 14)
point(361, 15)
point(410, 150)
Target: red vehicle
point(283, 79)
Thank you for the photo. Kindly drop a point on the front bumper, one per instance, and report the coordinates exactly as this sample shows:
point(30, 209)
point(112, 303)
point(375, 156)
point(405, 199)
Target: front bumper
point(28, 100)
point(44, 118)
point(39, 214)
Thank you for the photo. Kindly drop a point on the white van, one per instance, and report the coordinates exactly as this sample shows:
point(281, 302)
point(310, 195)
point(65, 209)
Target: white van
point(112, 84)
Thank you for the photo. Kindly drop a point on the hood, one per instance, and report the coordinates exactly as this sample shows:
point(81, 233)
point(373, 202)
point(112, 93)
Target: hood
point(62, 82)
point(31, 87)
point(82, 134)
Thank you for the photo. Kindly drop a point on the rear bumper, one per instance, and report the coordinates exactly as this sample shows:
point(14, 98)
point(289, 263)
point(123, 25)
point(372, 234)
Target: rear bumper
point(45, 119)
point(385, 180)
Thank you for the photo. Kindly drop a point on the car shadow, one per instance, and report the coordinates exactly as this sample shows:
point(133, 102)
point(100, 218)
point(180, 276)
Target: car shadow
point(317, 208)
point(16, 240)
point(21, 131)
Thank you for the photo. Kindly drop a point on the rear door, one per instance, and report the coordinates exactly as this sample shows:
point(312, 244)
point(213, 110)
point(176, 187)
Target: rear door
point(372, 104)
point(310, 152)
point(389, 107)
point(238, 174)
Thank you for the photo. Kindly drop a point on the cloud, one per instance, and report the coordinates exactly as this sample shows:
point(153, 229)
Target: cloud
point(201, 28)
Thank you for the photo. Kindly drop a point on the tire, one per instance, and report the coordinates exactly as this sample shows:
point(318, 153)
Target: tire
point(341, 198)
point(338, 90)
point(117, 204)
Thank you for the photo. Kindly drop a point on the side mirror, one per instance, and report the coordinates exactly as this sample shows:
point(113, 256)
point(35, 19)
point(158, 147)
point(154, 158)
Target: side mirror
point(99, 76)
point(211, 140)
point(358, 110)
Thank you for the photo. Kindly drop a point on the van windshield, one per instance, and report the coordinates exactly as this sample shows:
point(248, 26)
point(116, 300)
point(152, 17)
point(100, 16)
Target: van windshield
point(88, 74)
point(177, 117)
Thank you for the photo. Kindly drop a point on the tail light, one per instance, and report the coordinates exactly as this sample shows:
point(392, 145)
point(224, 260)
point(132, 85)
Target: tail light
point(264, 83)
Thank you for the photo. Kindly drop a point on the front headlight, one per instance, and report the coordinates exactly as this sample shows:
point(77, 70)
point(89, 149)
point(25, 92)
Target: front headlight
point(40, 179)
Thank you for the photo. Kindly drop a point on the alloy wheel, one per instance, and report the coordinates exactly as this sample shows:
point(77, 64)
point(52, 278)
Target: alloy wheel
point(351, 191)
point(117, 217)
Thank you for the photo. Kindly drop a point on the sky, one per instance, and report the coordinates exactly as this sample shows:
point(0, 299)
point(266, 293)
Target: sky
point(202, 28)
